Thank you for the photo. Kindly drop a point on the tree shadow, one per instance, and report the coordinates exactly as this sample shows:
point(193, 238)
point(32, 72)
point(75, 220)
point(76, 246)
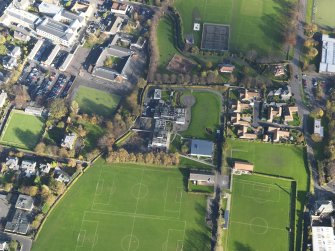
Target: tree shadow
point(242, 247)
point(26, 137)
point(91, 107)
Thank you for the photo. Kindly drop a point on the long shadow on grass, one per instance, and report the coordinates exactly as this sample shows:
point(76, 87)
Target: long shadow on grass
point(242, 247)
point(92, 107)
point(26, 137)
point(197, 239)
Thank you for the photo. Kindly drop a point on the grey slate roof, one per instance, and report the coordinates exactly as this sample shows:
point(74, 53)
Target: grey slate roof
point(202, 147)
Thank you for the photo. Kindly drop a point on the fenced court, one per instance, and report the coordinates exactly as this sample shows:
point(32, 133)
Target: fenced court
point(127, 208)
point(22, 130)
point(254, 24)
point(261, 215)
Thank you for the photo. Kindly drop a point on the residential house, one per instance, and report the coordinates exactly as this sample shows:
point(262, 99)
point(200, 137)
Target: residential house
point(226, 68)
point(120, 8)
point(3, 98)
point(29, 167)
point(157, 94)
point(274, 112)
point(69, 141)
point(243, 133)
point(289, 113)
point(45, 168)
point(61, 176)
point(247, 95)
point(202, 148)
point(278, 133)
point(12, 163)
point(318, 128)
point(141, 41)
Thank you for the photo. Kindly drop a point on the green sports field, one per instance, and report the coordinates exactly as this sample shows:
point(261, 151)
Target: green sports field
point(255, 24)
point(22, 130)
point(323, 14)
point(125, 207)
point(260, 214)
point(94, 101)
point(205, 115)
point(276, 159)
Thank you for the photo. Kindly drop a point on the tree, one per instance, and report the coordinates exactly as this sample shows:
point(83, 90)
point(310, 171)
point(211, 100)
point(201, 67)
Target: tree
point(58, 109)
point(40, 148)
point(317, 113)
point(209, 65)
point(13, 245)
point(45, 193)
point(37, 221)
point(312, 53)
point(72, 163)
point(3, 49)
point(74, 107)
point(316, 137)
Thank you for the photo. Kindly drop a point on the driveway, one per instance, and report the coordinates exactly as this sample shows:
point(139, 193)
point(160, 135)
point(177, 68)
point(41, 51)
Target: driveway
point(25, 242)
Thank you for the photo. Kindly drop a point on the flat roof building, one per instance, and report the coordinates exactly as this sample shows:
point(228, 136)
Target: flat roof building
point(243, 166)
point(202, 148)
point(208, 179)
point(318, 128)
point(323, 238)
point(327, 64)
point(24, 202)
point(19, 223)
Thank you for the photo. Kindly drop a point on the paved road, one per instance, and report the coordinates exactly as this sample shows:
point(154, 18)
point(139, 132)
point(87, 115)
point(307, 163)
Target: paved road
point(25, 241)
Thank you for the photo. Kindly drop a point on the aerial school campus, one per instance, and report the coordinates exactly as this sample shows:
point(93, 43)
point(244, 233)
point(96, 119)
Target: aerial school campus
point(133, 207)
point(172, 125)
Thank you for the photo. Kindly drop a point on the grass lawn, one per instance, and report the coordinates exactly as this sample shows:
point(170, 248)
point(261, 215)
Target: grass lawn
point(255, 24)
point(94, 101)
point(205, 116)
point(185, 162)
point(94, 133)
point(127, 207)
point(165, 42)
point(276, 159)
point(22, 130)
point(323, 15)
point(260, 213)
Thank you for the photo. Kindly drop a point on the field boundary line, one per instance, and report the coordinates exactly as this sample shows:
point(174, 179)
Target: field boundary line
point(144, 216)
point(256, 182)
point(137, 200)
point(256, 225)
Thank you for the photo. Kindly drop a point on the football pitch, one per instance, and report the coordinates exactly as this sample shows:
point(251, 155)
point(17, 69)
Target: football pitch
point(22, 130)
point(260, 217)
point(277, 160)
point(323, 16)
point(255, 24)
point(126, 207)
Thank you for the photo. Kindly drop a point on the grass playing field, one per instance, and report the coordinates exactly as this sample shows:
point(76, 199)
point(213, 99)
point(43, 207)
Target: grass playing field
point(255, 24)
point(205, 114)
point(276, 159)
point(260, 214)
point(93, 101)
point(125, 207)
point(323, 15)
point(22, 130)
point(165, 42)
